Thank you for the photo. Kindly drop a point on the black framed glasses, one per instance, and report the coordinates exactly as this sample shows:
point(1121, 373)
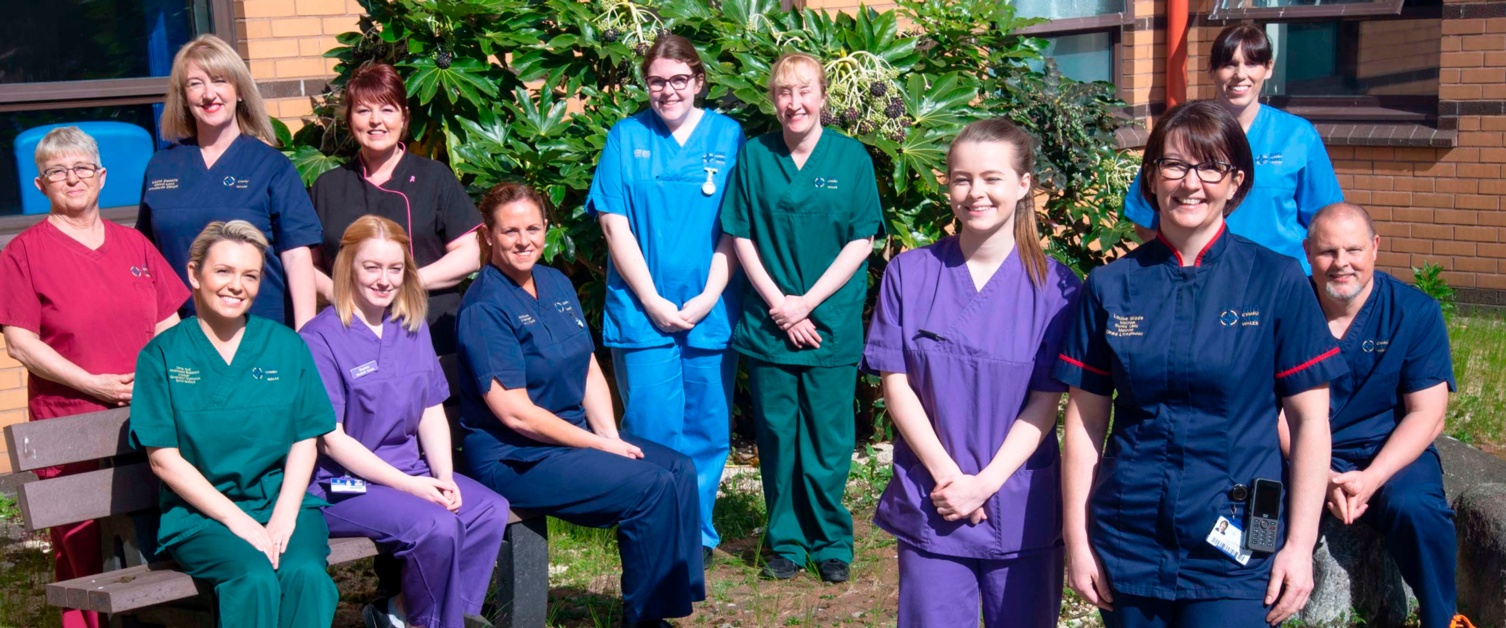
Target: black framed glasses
point(1207, 172)
point(82, 171)
point(658, 83)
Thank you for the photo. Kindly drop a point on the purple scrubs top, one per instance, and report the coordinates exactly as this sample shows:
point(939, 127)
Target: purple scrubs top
point(972, 357)
point(378, 386)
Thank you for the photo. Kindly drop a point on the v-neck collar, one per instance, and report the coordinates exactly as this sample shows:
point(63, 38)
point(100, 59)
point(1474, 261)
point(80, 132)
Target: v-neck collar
point(216, 361)
point(538, 287)
point(662, 130)
point(1363, 316)
point(957, 264)
point(74, 246)
point(235, 146)
point(787, 159)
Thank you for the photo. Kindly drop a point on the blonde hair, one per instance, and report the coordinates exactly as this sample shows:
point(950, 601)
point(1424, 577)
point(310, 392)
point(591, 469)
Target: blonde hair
point(411, 305)
point(218, 60)
point(795, 68)
point(66, 140)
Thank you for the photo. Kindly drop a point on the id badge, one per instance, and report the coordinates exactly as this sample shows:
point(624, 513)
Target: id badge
point(347, 484)
point(1229, 538)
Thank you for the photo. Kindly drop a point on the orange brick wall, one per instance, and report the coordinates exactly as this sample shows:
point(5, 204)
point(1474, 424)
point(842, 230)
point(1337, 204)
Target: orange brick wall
point(285, 40)
point(12, 398)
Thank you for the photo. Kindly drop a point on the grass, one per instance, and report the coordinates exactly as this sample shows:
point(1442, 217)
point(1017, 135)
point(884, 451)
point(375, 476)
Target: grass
point(1477, 412)
point(25, 567)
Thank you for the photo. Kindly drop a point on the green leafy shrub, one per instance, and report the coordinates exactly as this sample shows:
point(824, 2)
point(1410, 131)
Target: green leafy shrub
point(1429, 279)
point(527, 90)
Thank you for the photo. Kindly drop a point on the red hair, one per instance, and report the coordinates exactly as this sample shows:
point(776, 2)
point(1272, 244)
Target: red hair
point(375, 84)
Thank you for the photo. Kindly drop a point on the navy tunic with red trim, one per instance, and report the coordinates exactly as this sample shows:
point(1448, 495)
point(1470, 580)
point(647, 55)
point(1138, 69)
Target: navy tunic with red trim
point(1199, 358)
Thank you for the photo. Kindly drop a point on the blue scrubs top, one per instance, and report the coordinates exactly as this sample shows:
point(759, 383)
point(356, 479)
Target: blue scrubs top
point(1199, 357)
point(540, 344)
point(252, 182)
point(646, 175)
point(1396, 344)
point(1293, 180)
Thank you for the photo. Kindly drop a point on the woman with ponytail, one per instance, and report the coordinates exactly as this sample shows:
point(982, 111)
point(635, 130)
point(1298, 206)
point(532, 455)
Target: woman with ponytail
point(964, 337)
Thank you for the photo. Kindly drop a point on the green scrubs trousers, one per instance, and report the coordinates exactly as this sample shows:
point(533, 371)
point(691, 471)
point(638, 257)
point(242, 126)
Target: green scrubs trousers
point(298, 594)
point(804, 423)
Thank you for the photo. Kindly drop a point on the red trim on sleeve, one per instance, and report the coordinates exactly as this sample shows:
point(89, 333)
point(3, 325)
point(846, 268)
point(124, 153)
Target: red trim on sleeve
point(1324, 356)
point(1085, 367)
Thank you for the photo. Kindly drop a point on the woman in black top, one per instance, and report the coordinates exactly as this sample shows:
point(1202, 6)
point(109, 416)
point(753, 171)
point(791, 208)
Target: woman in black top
point(420, 194)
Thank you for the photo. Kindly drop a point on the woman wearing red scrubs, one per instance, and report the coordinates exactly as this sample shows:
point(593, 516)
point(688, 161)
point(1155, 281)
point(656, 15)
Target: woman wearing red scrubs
point(222, 168)
point(81, 356)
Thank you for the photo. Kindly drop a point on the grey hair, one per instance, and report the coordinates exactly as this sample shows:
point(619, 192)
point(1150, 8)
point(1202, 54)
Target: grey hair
point(66, 140)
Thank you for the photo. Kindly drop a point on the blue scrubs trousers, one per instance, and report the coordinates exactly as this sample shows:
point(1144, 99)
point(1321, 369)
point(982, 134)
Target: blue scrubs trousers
point(681, 397)
point(1413, 514)
point(651, 501)
point(1133, 611)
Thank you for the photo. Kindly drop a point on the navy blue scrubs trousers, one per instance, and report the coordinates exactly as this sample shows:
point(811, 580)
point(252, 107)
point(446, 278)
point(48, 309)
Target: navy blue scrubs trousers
point(1133, 611)
point(653, 502)
point(1413, 514)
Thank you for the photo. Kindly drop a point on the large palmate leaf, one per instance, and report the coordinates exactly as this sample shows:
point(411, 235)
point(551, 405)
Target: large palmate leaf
point(462, 81)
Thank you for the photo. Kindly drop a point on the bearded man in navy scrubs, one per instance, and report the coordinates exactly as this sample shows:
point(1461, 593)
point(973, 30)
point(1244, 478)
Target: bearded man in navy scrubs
point(1387, 410)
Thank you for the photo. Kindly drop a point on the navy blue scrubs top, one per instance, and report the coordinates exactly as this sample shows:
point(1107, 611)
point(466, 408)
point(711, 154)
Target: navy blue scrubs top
point(541, 344)
point(252, 182)
point(1200, 357)
point(1397, 344)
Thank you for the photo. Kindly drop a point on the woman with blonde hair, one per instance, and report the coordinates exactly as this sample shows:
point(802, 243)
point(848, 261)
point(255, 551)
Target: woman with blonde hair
point(222, 168)
point(228, 406)
point(373, 351)
point(803, 207)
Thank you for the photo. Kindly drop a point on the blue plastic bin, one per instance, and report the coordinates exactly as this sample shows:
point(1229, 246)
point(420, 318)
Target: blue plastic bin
point(124, 150)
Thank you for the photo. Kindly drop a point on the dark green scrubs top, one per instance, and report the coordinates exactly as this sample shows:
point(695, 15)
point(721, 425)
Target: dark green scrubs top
point(799, 219)
point(233, 422)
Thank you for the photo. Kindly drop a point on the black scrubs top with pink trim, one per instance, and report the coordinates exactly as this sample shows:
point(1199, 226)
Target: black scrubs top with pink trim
point(425, 198)
point(1198, 358)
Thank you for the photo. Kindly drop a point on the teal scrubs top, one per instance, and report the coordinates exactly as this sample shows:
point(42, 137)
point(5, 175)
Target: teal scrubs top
point(645, 175)
point(799, 219)
point(234, 422)
point(1293, 180)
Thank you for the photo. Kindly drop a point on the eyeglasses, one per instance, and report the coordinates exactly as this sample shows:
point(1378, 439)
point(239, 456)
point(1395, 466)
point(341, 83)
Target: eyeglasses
point(678, 81)
point(82, 171)
point(1207, 172)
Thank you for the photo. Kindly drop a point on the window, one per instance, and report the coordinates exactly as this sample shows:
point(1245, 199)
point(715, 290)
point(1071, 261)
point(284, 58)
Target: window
point(1280, 9)
point(77, 60)
point(1082, 35)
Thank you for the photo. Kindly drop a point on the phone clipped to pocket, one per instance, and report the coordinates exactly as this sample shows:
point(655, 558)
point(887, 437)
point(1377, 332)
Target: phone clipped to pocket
point(1263, 516)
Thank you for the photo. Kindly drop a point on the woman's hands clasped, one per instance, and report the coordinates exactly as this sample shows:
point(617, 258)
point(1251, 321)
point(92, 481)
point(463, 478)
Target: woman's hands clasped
point(441, 491)
point(266, 539)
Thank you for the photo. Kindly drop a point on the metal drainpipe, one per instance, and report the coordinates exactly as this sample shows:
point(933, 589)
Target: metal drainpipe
point(1176, 52)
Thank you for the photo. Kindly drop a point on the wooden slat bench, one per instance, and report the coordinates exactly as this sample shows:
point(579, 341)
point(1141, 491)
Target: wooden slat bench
point(520, 586)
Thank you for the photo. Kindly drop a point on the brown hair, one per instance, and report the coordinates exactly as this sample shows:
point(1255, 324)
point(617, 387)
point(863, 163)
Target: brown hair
point(412, 302)
point(675, 48)
point(218, 60)
point(1027, 237)
point(1212, 134)
point(502, 194)
point(1245, 38)
point(375, 84)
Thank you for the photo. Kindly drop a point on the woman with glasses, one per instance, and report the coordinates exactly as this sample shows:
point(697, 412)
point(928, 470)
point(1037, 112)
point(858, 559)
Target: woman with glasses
point(81, 356)
point(1199, 339)
point(657, 194)
point(1293, 176)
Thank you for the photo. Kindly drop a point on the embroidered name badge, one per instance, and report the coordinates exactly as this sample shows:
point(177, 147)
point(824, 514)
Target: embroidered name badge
point(525, 319)
point(825, 183)
point(641, 153)
point(1273, 159)
point(232, 182)
point(363, 370)
point(269, 375)
point(183, 375)
point(1236, 317)
point(1375, 346)
point(162, 184)
point(1121, 326)
point(714, 160)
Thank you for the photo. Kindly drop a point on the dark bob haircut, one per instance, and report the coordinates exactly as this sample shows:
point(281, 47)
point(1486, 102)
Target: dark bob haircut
point(375, 84)
point(1210, 133)
point(1246, 38)
point(675, 48)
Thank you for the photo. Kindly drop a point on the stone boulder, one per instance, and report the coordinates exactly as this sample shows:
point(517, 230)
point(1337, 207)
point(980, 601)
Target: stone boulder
point(1353, 574)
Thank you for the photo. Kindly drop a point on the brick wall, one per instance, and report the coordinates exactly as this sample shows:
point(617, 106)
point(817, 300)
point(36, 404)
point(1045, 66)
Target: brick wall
point(284, 41)
point(12, 398)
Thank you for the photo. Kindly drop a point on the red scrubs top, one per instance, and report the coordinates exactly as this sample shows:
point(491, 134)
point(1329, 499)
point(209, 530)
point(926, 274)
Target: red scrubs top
point(97, 308)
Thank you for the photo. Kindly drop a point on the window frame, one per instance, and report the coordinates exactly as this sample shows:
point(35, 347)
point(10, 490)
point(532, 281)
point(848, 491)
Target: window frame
point(110, 92)
point(1308, 12)
point(1112, 23)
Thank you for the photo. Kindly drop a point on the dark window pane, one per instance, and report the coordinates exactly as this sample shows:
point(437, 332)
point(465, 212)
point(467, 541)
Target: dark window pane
point(1063, 9)
point(1355, 58)
point(13, 123)
point(1086, 57)
point(72, 40)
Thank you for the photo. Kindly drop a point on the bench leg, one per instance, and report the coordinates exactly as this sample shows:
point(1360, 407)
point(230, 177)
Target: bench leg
point(521, 579)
